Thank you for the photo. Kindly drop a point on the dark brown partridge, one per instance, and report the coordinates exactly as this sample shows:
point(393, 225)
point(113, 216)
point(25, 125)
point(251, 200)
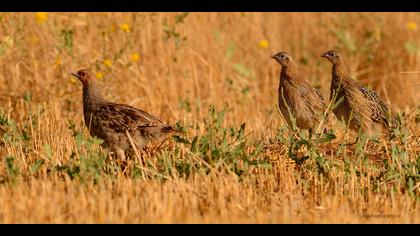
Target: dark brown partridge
point(118, 125)
point(358, 106)
point(296, 98)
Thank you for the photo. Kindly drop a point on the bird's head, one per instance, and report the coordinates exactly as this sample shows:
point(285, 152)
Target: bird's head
point(283, 58)
point(332, 55)
point(83, 75)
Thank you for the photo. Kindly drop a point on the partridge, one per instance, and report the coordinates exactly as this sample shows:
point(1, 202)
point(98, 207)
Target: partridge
point(120, 126)
point(358, 106)
point(297, 100)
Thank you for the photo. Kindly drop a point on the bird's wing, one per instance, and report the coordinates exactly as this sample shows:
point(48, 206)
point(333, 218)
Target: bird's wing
point(319, 94)
point(355, 101)
point(381, 112)
point(313, 98)
point(121, 117)
point(321, 101)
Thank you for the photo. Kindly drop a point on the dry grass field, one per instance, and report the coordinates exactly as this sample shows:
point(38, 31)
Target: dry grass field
point(212, 75)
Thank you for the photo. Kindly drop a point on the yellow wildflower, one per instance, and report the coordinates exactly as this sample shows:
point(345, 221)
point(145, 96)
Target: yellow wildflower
point(263, 44)
point(411, 25)
point(125, 27)
point(41, 17)
point(135, 57)
point(108, 62)
point(58, 62)
point(99, 75)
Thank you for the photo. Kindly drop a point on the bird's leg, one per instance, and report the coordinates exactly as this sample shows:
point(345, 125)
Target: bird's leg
point(160, 145)
point(310, 132)
point(355, 141)
point(120, 157)
point(348, 144)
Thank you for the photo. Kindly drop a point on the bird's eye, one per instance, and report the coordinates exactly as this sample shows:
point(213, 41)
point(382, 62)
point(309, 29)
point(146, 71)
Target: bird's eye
point(82, 74)
point(331, 54)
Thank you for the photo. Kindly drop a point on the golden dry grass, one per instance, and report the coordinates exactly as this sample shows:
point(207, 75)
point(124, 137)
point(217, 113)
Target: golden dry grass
point(176, 66)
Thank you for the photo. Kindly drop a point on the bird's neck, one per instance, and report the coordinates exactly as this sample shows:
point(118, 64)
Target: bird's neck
point(289, 71)
point(289, 74)
point(92, 96)
point(339, 71)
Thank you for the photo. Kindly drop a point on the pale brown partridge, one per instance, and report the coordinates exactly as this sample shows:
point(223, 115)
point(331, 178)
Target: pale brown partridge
point(297, 100)
point(115, 123)
point(358, 106)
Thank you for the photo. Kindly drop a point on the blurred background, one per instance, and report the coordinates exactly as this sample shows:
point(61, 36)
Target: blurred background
point(176, 65)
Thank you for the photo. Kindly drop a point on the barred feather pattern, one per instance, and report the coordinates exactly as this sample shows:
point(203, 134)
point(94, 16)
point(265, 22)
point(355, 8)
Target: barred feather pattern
point(360, 107)
point(116, 123)
point(381, 111)
point(298, 100)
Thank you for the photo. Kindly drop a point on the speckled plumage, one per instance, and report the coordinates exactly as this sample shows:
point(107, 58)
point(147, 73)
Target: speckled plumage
point(360, 106)
point(116, 123)
point(296, 98)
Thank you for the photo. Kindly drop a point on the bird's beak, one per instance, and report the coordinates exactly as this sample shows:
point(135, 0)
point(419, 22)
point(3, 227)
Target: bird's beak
point(273, 57)
point(75, 75)
point(323, 55)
